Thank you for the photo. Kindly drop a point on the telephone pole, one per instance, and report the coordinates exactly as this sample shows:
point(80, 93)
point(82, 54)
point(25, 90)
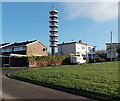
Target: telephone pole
point(111, 47)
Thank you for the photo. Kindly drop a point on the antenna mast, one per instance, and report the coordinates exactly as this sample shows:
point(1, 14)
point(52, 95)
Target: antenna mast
point(53, 25)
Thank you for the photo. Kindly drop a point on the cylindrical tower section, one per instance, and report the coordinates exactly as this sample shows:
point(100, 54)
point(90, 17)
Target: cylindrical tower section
point(53, 30)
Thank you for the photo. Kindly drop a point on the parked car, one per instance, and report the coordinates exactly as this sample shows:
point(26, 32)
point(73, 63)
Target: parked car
point(77, 60)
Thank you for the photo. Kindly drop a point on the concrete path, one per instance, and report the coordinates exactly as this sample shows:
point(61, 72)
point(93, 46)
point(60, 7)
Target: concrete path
point(14, 89)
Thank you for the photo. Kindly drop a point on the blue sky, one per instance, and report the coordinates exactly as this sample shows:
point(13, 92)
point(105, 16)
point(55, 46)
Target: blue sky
point(88, 21)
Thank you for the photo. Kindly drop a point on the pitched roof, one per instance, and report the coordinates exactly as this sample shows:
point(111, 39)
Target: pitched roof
point(37, 41)
point(4, 44)
point(17, 44)
point(112, 43)
point(73, 43)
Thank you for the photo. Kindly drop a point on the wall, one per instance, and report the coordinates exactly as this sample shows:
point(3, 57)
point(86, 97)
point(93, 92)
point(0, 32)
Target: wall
point(114, 50)
point(36, 48)
point(83, 49)
point(19, 61)
point(48, 63)
point(42, 61)
point(66, 49)
point(75, 48)
point(80, 49)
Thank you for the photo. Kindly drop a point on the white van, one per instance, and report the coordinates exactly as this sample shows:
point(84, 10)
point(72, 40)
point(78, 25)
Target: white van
point(77, 60)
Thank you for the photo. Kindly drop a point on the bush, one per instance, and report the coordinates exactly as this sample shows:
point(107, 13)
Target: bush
point(91, 60)
point(46, 58)
point(39, 61)
point(19, 61)
point(87, 59)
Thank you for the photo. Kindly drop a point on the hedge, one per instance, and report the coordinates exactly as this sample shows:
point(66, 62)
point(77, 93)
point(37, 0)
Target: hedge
point(19, 61)
point(46, 58)
point(41, 61)
point(38, 61)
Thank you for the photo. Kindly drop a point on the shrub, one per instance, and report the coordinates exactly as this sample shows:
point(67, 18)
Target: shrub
point(46, 58)
point(19, 61)
point(91, 60)
point(39, 61)
point(87, 59)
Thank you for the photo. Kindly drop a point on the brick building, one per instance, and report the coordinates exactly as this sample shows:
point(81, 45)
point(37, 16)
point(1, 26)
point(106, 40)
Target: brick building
point(28, 48)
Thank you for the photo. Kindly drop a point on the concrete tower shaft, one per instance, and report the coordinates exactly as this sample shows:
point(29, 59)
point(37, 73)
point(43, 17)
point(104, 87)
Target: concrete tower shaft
point(53, 30)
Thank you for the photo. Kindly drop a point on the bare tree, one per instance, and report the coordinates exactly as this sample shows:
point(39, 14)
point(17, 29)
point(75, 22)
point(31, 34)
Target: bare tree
point(101, 53)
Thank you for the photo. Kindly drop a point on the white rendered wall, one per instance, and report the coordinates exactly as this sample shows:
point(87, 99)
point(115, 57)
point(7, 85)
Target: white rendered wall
point(83, 49)
point(76, 48)
point(66, 49)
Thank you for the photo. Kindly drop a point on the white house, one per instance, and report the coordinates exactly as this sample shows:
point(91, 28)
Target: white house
point(76, 48)
point(111, 49)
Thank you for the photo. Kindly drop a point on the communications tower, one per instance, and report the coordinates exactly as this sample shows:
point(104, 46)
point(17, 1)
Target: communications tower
point(53, 31)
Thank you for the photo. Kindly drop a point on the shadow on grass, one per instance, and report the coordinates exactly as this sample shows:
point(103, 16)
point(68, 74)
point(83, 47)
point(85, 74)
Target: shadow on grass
point(84, 93)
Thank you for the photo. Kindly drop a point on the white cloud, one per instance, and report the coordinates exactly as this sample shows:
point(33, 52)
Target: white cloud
point(99, 11)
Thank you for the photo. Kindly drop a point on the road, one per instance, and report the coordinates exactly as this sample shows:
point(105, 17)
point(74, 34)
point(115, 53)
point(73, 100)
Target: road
point(15, 89)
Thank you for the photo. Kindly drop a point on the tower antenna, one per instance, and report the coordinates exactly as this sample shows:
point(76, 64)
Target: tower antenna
point(53, 7)
point(53, 25)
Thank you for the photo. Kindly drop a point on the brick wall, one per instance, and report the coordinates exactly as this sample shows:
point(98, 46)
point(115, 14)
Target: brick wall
point(47, 63)
point(36, 48)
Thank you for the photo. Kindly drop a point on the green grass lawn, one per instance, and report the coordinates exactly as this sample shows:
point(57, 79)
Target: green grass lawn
point(12, 67)
point(100, 78)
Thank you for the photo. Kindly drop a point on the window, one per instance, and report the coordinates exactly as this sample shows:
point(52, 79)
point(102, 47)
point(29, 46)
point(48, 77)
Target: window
point(89, 55)
point(83, 55)
point(78, 53)
point(43, 49)
point(83, 47)
point(93, 49)
point(7, 50)
point(118, 46)
point(89, 48)
point(19, 48)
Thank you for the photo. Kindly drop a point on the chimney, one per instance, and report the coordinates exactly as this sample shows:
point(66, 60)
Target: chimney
point(80, 41)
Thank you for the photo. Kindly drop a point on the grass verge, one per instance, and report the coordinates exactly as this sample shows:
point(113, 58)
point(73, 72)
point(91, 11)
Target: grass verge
point(13, 67)
point(98, 78)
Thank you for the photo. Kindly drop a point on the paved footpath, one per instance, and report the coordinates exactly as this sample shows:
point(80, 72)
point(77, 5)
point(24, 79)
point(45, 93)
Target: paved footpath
point(15, 89)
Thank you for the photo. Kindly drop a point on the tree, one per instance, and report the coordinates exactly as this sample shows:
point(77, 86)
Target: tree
point(118, 51)
point(101, 53)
